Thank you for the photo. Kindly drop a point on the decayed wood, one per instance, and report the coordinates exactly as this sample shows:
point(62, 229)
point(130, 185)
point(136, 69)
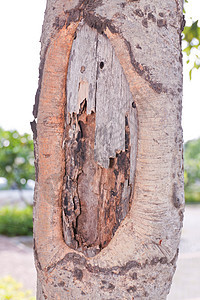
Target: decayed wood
point(100, 143)
point(140, 259)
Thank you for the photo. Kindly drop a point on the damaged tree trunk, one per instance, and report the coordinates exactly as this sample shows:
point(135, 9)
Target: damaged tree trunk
point(109, 201)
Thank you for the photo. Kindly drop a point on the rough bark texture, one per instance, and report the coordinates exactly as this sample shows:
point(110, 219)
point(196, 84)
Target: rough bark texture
point(138, 259)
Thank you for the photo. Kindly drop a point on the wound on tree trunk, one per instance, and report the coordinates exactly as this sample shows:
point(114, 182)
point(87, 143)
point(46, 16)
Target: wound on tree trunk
point(109, 200)
point(99, 137)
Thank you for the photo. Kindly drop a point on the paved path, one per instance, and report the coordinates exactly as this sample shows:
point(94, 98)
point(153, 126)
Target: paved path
point(16, 197)
point(186, 281)
point(17, 260)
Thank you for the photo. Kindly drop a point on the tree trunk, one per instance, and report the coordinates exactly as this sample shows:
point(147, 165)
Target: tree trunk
point(109, 200)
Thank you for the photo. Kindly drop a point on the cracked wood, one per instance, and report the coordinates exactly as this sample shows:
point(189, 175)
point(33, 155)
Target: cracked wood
point(101, 131)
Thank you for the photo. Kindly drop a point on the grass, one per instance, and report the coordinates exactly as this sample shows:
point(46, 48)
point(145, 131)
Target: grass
point(15, 221)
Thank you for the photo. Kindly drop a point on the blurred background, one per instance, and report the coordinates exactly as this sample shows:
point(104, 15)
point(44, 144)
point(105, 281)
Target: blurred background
point(21, 24)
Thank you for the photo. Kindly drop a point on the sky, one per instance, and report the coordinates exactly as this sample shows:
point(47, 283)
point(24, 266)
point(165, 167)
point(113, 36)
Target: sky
point(21, 25)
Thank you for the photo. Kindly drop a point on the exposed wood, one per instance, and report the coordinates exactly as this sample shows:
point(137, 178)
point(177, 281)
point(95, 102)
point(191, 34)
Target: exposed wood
point(99, 143)
point(83, 63)
point(101, 80)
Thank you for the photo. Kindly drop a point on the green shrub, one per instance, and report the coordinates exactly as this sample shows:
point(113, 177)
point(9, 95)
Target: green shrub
point(11, 289)
point(15, 221)
point(192, 170)
point(16, 158)
point(192, 194)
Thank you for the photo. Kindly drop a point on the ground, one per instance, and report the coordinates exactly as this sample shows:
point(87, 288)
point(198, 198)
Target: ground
point(16, 259)
point(186, 282)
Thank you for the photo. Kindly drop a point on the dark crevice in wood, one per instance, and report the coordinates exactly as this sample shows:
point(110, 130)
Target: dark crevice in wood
point(96, 199)
point(101, 65)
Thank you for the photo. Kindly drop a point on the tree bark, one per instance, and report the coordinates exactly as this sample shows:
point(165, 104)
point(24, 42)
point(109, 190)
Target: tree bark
point(109, 199)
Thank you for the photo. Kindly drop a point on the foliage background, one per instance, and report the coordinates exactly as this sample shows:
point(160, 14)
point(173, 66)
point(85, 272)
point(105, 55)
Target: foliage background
point(16, 221)
point(191, 42)
point(16, 158)
point(192, 170)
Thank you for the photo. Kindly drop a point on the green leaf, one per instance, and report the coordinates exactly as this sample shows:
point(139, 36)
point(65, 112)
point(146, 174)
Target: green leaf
point(187, 50)
point(190, 74)
point(191, 32)
point(192, 37)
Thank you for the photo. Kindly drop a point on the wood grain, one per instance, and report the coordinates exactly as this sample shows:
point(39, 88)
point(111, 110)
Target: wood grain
point(101, 144)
